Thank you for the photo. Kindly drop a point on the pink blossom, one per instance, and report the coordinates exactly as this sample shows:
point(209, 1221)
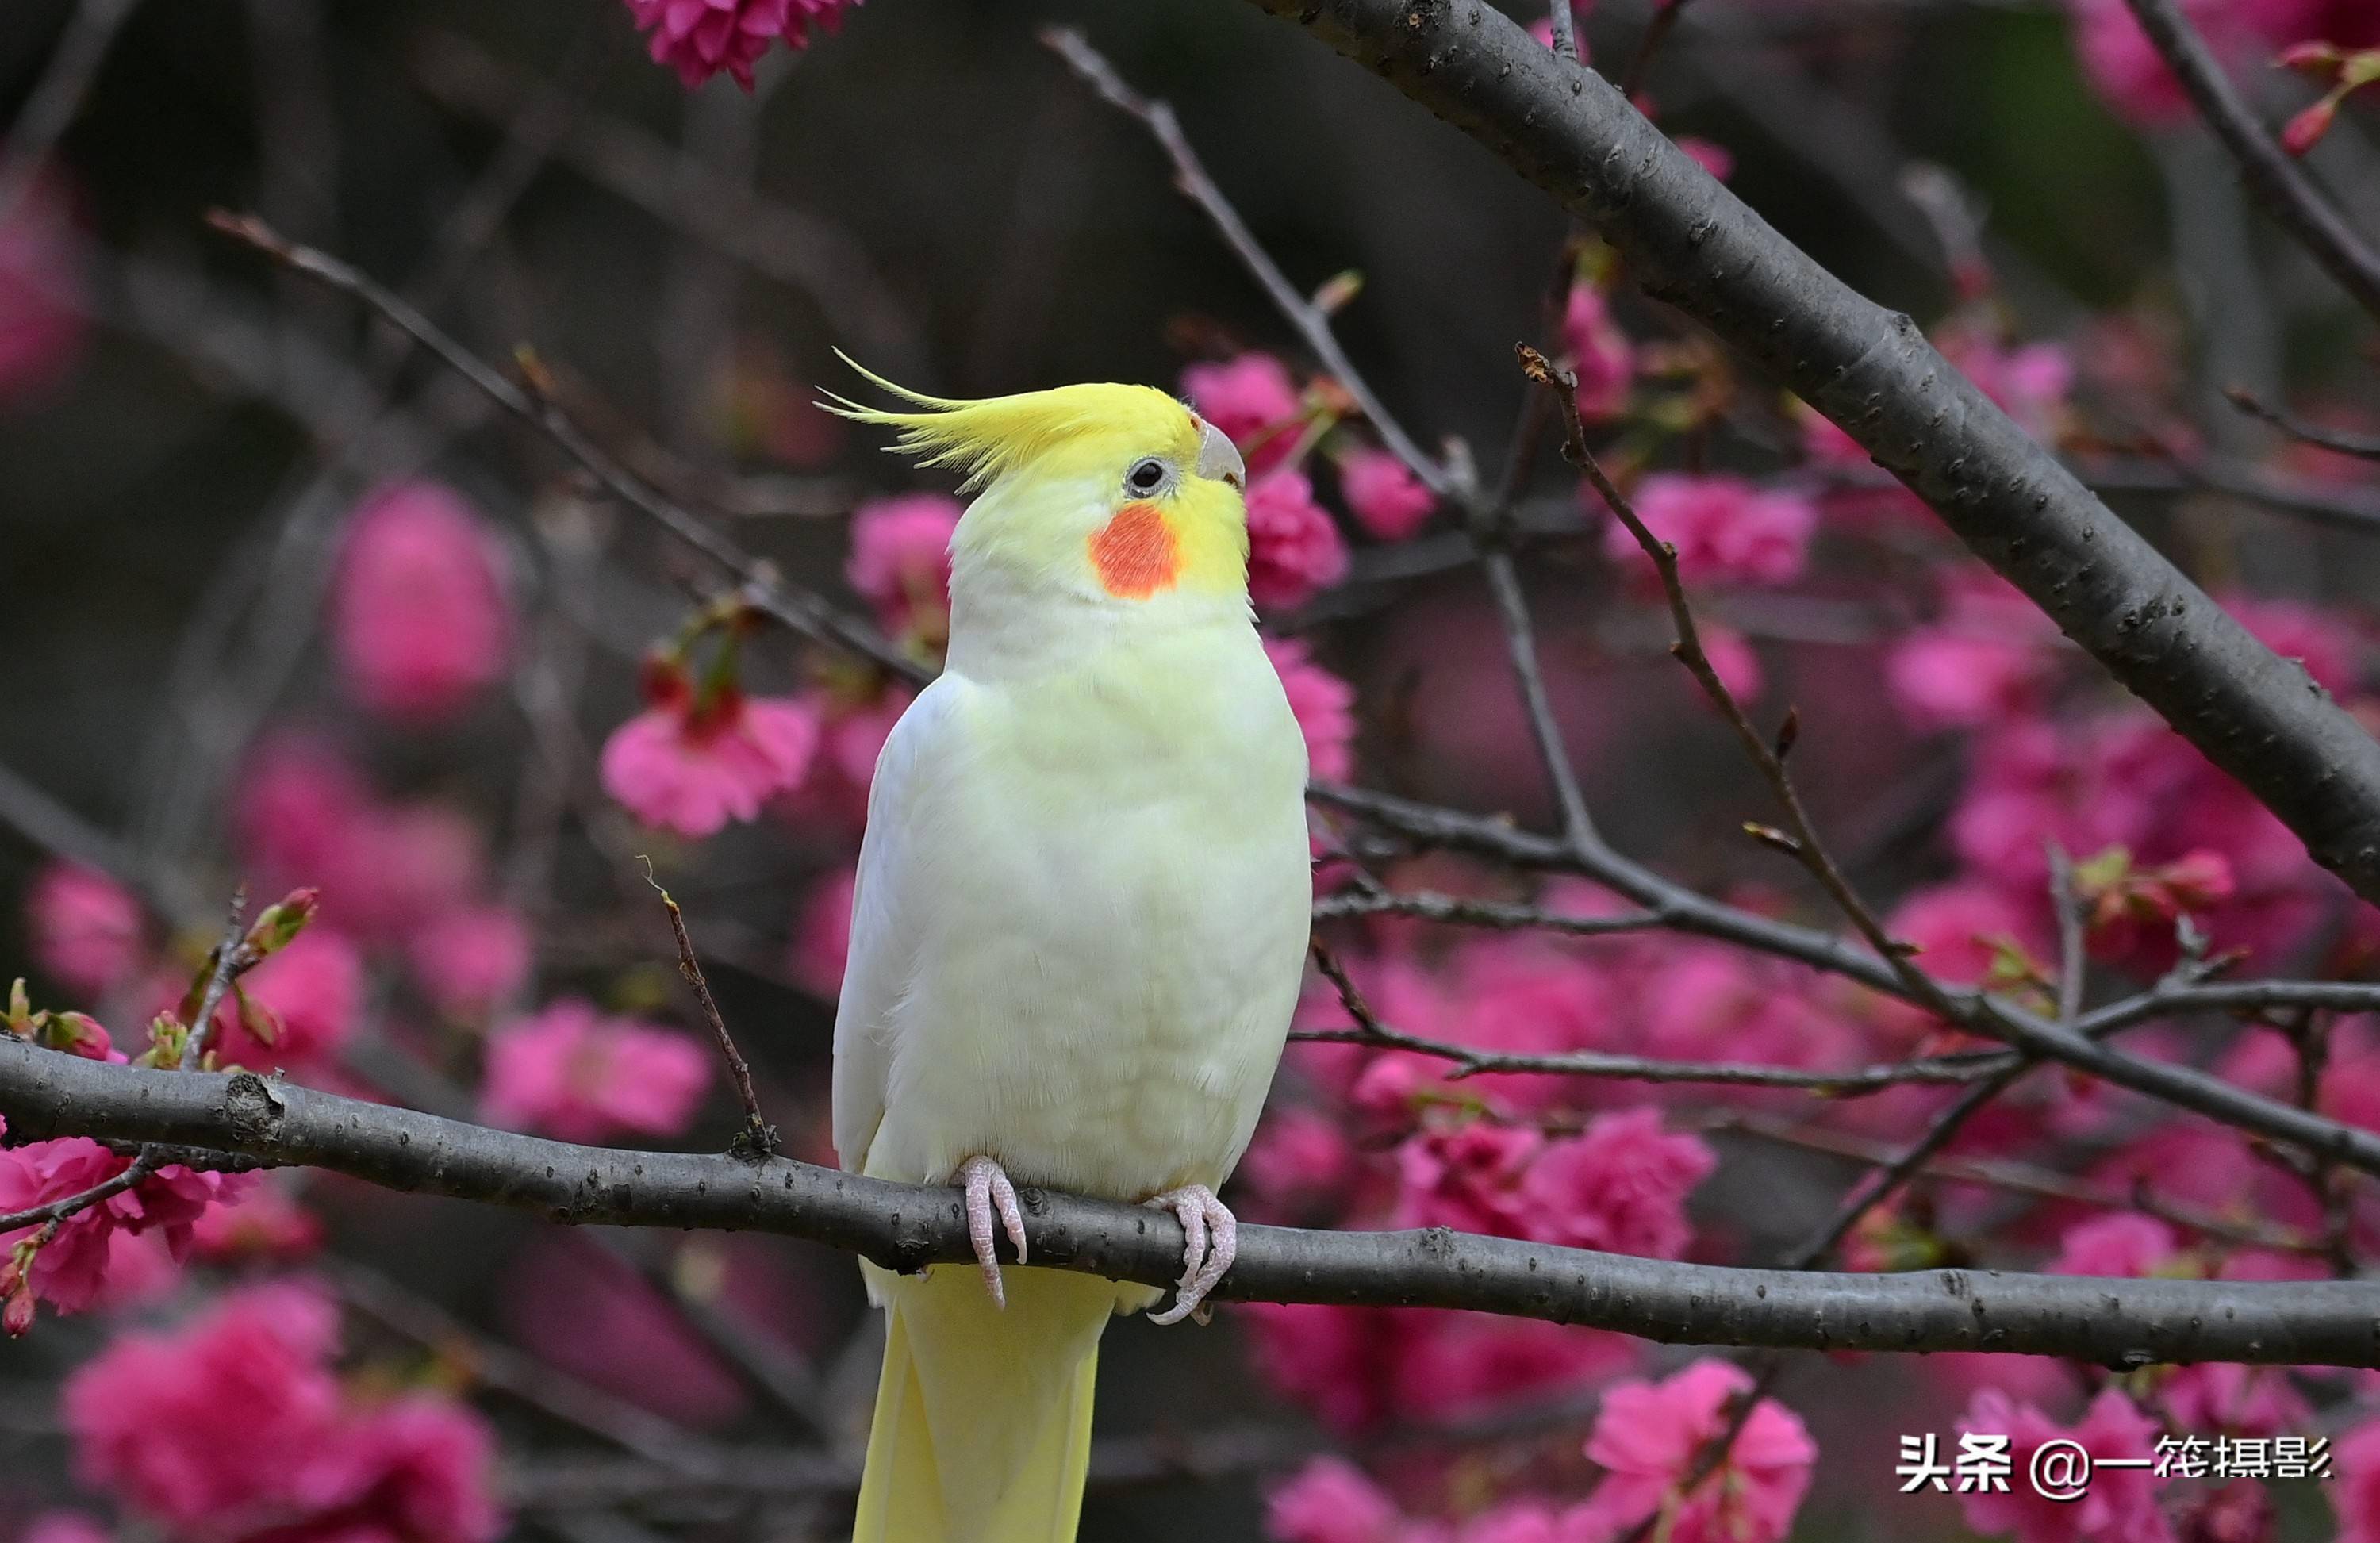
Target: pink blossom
point(2124, 66)
point(1300, 1159)
point(418, 617)
point(2225, 1395)
point(85, 928)
point(1323, 704)
point(1294, 548)
point(1599, 352)
point(700, 38)
point(1331, 1501)
point(310, 991)
point(1382, 492)
point(1984, 660)
point(1732, 659)
point(571, 1073)
point(2122, 1243)
point(1252, 399)
point(41, 293)
point(1463, 1366)
point(693, 761)
point(1650, 1435)
point(149, 1418)
point(1467, 1177)
point(822, 935)
point(469, 960)
point(1725, 530)
point(306, 816)
point(2356, 1494)
point(1620, 1187)
point(2030, 383)
point(2120, 1505)
point(264, 1223)
point(1711, 156)
point(71, 1270)
point(64, 1527)
point(901, 562)
point(2330, 645)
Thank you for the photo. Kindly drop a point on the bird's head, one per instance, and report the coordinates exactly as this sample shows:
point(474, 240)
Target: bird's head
point(1118, 495)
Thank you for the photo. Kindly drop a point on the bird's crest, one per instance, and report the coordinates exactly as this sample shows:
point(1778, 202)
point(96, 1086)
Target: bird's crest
point(985, 438)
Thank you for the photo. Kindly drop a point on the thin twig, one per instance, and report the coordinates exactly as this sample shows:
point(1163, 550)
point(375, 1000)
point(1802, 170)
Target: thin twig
point(1657, 33)
point(764, 589)
point(1313, 323)
point(146, 1161)
point(1513, 608)
point(57, 96)
point(2362, 446)
point(2285, 189)
point(1564, 24)
point(758, 1140)
point(226, 962)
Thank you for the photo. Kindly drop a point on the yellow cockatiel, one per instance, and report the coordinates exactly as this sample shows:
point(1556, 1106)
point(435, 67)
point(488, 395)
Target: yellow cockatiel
point(1079, 926)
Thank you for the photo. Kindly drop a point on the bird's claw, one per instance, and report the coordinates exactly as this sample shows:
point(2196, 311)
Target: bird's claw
point(987, 1186)
point(1211, 1242)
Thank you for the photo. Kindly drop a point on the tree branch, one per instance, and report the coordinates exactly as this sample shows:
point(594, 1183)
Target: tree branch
point(2278, 183)
point(1872, 372)
point(45, 1093)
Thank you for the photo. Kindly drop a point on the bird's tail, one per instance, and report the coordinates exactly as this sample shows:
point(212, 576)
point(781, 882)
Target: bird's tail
point(983, 1415)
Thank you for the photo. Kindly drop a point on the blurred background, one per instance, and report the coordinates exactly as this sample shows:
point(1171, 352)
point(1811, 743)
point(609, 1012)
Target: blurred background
point(194, 446)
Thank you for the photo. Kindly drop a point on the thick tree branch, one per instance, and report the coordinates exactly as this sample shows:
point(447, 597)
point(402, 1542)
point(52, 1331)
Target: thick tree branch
point(45, 1093)
point(2278, 183)
point(1695, 245)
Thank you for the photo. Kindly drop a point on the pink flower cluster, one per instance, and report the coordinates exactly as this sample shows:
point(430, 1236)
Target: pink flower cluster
point(236, 1427)
point(1725, 529)
point(1649, 1439)
point(696, 759)
point(69, 1269)
point(2124, 66)
point(700, 38)
point(87, 929)
point(901, 564)
point(1620, 1187)
point(420, 621)
point(572, 1073)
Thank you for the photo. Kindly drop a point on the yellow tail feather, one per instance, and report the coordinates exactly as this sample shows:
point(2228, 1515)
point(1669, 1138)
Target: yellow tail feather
point(983, 1416)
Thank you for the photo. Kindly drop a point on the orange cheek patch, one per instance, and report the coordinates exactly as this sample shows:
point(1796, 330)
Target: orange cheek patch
point(1136, 552)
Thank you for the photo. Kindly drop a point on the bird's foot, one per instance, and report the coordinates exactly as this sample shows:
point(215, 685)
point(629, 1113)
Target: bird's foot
point(987, 1186)
point(1211, 1241)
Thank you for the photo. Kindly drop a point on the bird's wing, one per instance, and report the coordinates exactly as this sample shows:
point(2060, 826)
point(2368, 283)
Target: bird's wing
point(886, 931)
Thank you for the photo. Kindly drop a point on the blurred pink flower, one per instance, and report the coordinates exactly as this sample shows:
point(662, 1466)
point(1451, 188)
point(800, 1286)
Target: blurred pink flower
point(1383, 494)
point(85, 928)
point(2124, 67)
point(1983, 660)
point(573, 1074)
point(2030, 381)
point(2331, 645)
point(1294, 548)
point(64, 1527)
point(306, 816)
point(2356, 1494)
point(1621, 1187)
point(41, 292)
point(472, 959)
point(2120, 1505)
point(1332, 1500)
point(1732, 659)
point(1711, 156)
point(149, 1418)
point(690, 764)
point(2124, 1243)
point(265, 1222)
point(1599, 352)
point(822, 935)
point(1649, 1436)
point(311, 990)
point(900, 562)
point(419, 616)
point(1466, 1177)
point(1301, 1159)
point(700, 38)
point(1252, 399)
point(1725, 530)
point(71, 1270)
point(1324, 706)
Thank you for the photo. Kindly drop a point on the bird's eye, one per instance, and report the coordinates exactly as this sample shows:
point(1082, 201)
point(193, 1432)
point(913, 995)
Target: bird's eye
point(1147, 475)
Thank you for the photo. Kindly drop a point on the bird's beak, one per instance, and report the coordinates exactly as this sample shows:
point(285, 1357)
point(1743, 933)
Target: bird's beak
point(1219, 457)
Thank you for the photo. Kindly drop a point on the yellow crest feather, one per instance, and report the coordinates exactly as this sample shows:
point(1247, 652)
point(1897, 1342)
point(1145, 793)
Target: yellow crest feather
point(986, 437)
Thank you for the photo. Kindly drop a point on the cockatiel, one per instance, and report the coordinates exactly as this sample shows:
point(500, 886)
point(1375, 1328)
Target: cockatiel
point(1079, 926)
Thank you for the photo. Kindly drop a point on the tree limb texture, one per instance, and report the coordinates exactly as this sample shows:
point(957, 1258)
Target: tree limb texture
point(1696, 245)
point(2119, 1323)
